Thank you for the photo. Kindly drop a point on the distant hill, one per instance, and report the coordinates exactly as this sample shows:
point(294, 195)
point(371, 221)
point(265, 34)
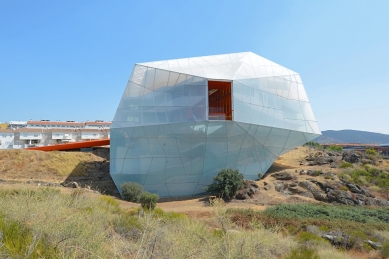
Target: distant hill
point(352, 136)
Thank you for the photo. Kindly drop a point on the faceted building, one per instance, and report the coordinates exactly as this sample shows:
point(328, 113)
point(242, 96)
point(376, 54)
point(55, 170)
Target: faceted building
point(181, 121)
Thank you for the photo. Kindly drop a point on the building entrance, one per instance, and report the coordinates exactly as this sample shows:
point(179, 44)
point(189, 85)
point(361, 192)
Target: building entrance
point(219, 100)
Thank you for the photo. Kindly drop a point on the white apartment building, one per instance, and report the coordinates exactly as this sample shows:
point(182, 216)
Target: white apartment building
point(21, 134)
point(6, 139)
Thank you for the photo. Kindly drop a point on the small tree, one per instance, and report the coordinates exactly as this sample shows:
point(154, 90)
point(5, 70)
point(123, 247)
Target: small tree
point(131, 191)
point(148, 200)
point(227, 182)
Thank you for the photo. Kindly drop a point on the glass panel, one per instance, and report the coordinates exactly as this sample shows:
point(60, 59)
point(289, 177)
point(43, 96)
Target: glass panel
point(237, 87)
point(277, 138)
point(164, 131)
point(216, 146)
point(161, 80)
point(161, 189)
point(149, 78)
point(233, 129)
point(139, 147)
point(173, 77)
point(216, 129)
point(242, 112)
point(256, 114)
point(197, 165)
point(198, 147)
point(299, 125)
point(184, 147)
point(185, 189)
point(138, 75)
point(295, 139)
point(262, 134)
point(169, 146)
point(157, 167)
point(156, 148)
point(308, 113)
point(155, 179)
point(174, 166)
point(139, 166)
point(173, 114)
point(292, 110)
point(116, 166)
point(235, 142)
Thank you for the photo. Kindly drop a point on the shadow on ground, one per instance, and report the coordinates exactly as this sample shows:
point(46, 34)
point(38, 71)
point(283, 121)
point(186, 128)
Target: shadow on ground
point(94, 175)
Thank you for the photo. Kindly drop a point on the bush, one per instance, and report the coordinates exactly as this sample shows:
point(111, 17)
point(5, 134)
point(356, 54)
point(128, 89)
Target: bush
point(345, 165)
point(314, 145)
point(227, 182)
point(335, 148)
point(371, 151)
point(131, 191)
point(303, 253)
point(148, 200)
point(385, 250)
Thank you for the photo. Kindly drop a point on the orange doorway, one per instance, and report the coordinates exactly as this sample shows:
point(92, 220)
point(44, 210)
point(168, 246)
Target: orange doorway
point(219, 100)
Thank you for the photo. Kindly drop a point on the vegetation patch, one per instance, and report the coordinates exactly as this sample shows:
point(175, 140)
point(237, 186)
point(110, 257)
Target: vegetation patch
point(227, 182)
point(329, 212)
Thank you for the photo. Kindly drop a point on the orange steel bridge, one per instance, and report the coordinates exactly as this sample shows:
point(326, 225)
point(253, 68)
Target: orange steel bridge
point(73, 145)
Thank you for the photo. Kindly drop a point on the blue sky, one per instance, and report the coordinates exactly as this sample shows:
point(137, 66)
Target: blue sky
point(71, 60)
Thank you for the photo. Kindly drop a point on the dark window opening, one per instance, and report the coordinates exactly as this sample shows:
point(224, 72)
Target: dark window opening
point(219, 100)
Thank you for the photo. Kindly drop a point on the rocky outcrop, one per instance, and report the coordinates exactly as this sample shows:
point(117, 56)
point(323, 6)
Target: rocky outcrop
point(325, 192)
point(282, 176)
point(342, 197)
point(248, 190)
point(322, 158)
point(317, 194)
point(351, 157)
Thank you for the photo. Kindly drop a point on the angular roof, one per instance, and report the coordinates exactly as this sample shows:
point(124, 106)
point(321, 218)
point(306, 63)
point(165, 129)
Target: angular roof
point(227, 66)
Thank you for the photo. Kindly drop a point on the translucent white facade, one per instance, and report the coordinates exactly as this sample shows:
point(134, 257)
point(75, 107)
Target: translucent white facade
point(175, 127)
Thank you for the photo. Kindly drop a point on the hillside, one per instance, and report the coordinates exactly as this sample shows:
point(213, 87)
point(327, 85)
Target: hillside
point(286, 215)
point(352, 136)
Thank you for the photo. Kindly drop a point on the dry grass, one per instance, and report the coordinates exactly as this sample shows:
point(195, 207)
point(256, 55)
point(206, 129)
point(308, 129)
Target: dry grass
point(55, 166)
point(81, 225)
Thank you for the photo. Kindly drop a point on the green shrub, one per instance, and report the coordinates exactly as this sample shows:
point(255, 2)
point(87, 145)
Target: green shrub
point(131, 191)
point(227, 182)
point(19, 241)
point(314, 145)
point(334, 148)
point(343, 188)
point(148, 200)
point(367, 175)
point(328, 212)
point(345, 165)
point(168, 215)
point(385, 250)
point(371, 151)
point(303, 253)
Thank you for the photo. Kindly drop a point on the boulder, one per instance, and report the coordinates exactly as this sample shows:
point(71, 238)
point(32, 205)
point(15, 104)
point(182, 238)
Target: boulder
point(282, 176)
point(280, 186)
point(251, 183)
point(351, 157)
point(323, 160)
point(317, 194)
point(354, 188)
point(242, 195)
point(367, 193)
point(375, 245)
point(326, 187)
point(342, 197)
